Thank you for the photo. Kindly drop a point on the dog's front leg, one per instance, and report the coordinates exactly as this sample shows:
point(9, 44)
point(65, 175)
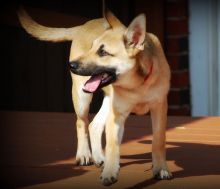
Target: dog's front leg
point(159, 121)
point(96, 128)
point(114, 133)
point(81, 102)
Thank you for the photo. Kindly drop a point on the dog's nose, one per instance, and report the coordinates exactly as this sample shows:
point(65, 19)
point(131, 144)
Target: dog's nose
point(74, 65)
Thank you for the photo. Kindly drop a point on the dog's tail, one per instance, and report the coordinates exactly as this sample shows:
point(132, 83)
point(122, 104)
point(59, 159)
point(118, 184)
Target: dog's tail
point(45, 33)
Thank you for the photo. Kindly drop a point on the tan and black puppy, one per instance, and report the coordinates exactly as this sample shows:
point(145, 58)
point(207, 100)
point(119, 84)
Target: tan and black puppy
point(130, 66)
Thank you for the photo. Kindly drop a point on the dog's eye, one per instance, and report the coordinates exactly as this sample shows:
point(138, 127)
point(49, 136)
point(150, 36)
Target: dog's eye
point(101, 52)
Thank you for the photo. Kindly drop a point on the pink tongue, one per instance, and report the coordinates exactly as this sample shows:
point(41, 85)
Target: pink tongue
point(93, 83)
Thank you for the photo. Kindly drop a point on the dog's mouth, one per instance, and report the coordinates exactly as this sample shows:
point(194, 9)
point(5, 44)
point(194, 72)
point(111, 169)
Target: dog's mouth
point(98, 81)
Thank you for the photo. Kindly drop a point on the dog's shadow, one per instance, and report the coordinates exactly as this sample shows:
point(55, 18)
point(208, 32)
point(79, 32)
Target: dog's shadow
point(30, 154)
point(194, 159)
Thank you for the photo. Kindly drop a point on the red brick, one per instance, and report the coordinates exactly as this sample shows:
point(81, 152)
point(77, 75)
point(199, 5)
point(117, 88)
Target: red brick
point(180, 79)
point(179, 110)
point(180, 62)
point(174, 98)
point(176, 27)
point(177, 9)
point(172, 45)
point(177, 44)
point(179, 97)
point(176, 50)
point(173, 62)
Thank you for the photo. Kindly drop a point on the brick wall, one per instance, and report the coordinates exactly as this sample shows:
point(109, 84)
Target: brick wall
point(177, 51)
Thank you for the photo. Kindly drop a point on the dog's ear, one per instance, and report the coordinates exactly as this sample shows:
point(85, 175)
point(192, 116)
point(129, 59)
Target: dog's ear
point(135, 33)
point(113, 20)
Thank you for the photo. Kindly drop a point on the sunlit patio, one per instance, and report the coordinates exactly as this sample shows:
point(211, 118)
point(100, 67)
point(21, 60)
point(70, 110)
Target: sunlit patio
point(39, 148)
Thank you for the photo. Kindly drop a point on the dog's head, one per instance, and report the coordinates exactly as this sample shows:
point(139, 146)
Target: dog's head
point(113, 54)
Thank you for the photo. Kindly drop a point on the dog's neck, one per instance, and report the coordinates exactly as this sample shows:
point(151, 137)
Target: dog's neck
point(136, 77)
point(143, 69)
point(149, 72)
point(145, 64)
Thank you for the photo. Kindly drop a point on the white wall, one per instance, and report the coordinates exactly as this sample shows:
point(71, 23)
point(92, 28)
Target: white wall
point(218, 26)
point(204, 43)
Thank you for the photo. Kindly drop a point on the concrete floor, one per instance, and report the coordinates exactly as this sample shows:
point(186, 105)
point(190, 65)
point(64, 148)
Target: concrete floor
point(38, 151)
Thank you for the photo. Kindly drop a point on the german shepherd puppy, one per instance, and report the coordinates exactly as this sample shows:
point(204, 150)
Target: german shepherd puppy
point(130, 66)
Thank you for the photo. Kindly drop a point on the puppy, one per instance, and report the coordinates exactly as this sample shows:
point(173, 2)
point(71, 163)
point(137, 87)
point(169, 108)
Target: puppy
point(130, 66)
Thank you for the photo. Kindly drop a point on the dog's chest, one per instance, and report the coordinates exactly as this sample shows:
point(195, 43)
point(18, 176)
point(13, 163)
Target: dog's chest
point(140, 109)
point(144, 100)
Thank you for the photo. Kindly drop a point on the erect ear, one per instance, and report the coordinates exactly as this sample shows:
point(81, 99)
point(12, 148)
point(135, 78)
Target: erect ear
point(135, 33)
point(113, 21)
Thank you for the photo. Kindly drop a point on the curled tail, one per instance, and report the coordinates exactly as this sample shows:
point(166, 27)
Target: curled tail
point(43, 32)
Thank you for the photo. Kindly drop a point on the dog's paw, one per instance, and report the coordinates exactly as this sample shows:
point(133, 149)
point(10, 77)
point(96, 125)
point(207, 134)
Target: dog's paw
point(162, 174)
point(98, 160)
point(84, 159)
point(109, 177)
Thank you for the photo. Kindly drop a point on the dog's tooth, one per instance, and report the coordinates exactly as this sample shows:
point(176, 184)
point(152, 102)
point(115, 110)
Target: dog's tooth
point(105, 75)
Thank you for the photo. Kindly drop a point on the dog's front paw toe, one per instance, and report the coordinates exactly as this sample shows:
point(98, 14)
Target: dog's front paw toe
point(163, 174)
point(98, 159)
point(84, 160)
point(108, 181)
point(109, 178)
point(99, 164)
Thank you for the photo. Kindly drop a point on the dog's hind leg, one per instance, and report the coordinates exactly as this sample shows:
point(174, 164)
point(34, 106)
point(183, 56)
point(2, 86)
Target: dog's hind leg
point(81, 102)
point(96, 128)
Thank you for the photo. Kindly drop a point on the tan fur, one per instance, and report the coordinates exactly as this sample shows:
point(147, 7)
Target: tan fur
point(132, 58)
point(60, 34)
